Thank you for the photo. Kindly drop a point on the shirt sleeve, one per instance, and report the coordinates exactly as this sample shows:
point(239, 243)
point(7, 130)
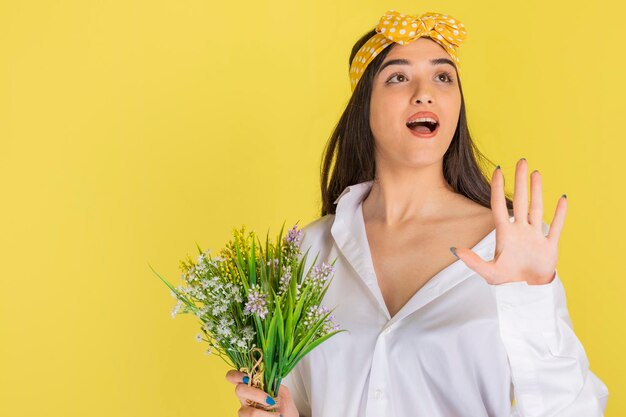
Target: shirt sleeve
point(549, 367)
point(293, 381)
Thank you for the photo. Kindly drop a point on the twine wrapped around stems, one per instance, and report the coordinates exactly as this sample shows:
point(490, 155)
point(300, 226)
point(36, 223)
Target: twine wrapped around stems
point(255, 379)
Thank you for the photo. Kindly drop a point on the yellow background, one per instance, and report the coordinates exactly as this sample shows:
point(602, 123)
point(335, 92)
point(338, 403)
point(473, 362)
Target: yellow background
point(130, 130)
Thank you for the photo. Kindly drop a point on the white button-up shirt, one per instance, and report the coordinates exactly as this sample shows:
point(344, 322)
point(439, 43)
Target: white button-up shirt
point(458, 347)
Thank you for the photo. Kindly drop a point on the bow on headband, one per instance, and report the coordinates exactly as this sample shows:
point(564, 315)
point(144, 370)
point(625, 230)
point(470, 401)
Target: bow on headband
point(403, 29)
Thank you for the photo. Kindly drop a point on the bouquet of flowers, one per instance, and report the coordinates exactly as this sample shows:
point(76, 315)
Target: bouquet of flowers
point(257, 308)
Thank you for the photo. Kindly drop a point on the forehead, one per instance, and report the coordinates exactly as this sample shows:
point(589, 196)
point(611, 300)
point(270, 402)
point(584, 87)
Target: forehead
point(420, 49)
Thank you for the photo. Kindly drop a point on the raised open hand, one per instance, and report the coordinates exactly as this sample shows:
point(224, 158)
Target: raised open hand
point(522, 251)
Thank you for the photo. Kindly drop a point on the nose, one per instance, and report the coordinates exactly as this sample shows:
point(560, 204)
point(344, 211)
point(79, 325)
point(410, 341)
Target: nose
point(422, 95)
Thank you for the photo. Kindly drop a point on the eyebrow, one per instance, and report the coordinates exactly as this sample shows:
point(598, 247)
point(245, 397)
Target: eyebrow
point(402, 61)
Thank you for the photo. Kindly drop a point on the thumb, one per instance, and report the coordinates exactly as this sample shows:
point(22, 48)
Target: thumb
point(283, 392)
point(473, 261)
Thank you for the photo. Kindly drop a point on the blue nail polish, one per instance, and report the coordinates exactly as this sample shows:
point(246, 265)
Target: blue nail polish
point(270, 400)
point(246, 379)
point(453, 250)
point(498, 167)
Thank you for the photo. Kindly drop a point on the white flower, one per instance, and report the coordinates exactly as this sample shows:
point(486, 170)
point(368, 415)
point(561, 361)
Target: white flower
point(285, 279)
point(223, 331)
point(248, 333)
point(176, 308)
point(227, 321)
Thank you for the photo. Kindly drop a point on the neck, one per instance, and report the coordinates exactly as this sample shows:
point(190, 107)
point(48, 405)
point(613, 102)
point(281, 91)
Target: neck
point(399, 197)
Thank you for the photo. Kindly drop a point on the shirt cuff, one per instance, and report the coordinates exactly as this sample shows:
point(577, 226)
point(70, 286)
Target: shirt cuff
point(527, 308)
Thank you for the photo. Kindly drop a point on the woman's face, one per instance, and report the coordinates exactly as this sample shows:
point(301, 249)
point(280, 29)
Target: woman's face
point(401, 90)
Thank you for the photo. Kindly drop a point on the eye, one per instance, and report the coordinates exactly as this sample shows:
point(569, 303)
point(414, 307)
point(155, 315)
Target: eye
point(448, 77)
point(397, 74)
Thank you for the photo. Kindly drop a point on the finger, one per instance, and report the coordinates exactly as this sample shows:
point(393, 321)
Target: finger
point(245, 392)
point(498, 200)
point(475, 262)
point(536, 201)
point(283, 392)
point(520, 195)
point(247, 411)
point(558, 220)
point(236, 377)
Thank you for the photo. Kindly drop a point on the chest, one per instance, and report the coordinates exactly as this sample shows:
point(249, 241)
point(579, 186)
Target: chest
point(405, 262)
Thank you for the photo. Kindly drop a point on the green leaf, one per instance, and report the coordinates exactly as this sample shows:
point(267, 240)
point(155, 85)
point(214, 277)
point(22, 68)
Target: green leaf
point(280, 325)
point(239, 265)
point(289, 327)
point(259, 331)
point(312, 265)
point(252, 265)
point(304, 292)
point(180, 296)
point(271, 340)
point(309, 348)
point(267, 247)
point(199, 250)
point(310, 334)
point(279, 241)
point(272, 374)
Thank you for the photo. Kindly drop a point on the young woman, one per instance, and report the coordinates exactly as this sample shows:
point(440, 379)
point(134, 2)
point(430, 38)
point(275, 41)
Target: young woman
point(479, 330)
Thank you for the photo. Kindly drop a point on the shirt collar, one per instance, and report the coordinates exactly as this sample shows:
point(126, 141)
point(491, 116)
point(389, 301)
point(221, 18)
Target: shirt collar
point(359, 190)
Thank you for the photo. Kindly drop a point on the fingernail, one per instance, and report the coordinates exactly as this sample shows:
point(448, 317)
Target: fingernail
point(246, 379)
point(270, 400)
point(523, 159)
point(498, 167)
point(453, 250)
point(564, 195)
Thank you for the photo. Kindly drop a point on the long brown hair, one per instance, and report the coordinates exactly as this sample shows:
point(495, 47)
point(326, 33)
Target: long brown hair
point(351, 147)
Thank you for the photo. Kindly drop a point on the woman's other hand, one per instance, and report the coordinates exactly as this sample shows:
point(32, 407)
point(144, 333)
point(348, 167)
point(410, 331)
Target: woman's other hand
point(245, 393)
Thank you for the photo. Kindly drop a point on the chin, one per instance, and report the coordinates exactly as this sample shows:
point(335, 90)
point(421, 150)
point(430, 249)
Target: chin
point(420, 159)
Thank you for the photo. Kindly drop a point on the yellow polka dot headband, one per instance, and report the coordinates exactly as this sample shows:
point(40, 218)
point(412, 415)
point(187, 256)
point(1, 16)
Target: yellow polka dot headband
point(403, 29)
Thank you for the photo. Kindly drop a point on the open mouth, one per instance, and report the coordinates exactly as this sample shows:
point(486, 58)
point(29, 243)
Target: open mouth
point(423, 127)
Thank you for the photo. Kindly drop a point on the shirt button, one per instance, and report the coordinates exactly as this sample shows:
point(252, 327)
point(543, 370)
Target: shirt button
point(378, 393)
point(506, 306)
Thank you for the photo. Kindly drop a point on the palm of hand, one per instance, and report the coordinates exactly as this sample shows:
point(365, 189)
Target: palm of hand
point(522, 252)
